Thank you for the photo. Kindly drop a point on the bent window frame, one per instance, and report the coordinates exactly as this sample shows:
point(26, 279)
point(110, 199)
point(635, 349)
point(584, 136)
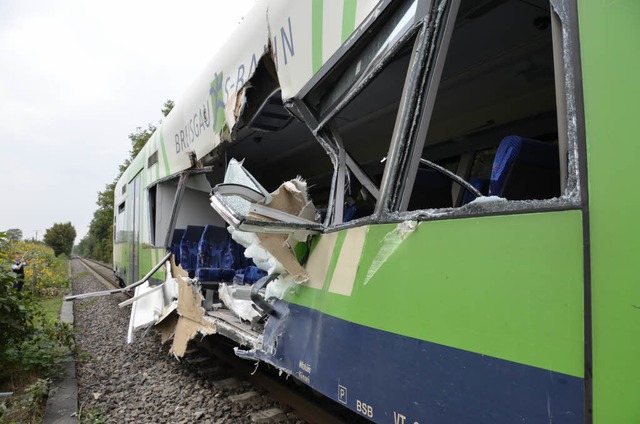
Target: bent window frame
point(433, 23)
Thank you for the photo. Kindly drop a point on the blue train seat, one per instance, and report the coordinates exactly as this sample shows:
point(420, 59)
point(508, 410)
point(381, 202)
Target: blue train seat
point(246, 270)
point(215, 260)
point(189, 248)
point(175, 244)
point(211, 255)
point(249, 275)
point(525, 169)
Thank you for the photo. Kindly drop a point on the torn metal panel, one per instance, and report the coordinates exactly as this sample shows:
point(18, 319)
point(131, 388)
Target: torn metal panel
point(147, 305)
point(183, 317)
point(291, 197)
point(212, 108)
point(289, 204)
point(562, 10)
point(151, 304)
point(233, 110)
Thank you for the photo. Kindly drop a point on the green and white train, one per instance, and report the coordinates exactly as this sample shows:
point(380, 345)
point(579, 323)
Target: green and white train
point(436, 198)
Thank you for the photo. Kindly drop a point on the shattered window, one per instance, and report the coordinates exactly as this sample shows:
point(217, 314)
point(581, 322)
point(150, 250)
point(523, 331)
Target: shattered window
point(365, 128)
point(356, 106)
point(121, 224)
point(494, 122)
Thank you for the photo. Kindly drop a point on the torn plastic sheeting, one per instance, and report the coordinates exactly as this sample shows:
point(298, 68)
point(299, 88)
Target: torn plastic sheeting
point(389, 244)
point(238, 300)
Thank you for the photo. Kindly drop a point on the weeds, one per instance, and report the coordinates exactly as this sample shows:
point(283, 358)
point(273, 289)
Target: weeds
point(28, 407)
point(91, 415)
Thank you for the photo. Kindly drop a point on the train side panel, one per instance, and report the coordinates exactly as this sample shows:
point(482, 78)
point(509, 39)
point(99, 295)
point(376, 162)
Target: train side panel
point(479, 317)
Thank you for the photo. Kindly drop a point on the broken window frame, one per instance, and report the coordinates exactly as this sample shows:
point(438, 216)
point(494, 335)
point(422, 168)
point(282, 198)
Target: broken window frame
point(564, 48)
point(322, 126)
point(281, 222)
point(433, 23)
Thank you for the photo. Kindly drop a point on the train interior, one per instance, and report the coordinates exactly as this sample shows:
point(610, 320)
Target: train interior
point(494, 123)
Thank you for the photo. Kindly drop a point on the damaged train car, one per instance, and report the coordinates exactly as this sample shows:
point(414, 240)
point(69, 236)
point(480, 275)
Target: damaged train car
point(389, 201)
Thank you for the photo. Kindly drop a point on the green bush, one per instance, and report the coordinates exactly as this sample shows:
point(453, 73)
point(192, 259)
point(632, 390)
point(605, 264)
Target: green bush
point(16, 317)
point(28, 340)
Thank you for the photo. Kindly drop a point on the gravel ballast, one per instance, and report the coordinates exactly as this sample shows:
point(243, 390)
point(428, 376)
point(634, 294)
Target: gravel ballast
point(141, 382)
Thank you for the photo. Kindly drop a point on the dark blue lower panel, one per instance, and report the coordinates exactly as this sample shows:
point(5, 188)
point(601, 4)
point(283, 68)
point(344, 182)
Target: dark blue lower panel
point(396, 379)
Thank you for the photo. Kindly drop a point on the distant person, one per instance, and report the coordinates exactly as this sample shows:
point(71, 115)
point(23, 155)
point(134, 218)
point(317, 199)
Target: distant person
point(18, 267)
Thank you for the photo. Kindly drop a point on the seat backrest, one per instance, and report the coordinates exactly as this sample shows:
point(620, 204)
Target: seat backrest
point(175, 244)
point(189, 246)
point(525, 169)
point(211, 245)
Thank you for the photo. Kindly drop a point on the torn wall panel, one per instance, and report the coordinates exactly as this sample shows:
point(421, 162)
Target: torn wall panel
point(272, 252)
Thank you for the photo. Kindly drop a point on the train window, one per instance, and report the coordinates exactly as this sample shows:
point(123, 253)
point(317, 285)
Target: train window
point(494, 121)
point(328, 97)
point(356, 105)
point(153, 159)
point(364, 129)
point(121, 224)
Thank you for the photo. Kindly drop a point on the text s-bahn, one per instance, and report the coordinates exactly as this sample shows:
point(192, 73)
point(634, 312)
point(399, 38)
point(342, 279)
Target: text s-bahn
point(462, 243)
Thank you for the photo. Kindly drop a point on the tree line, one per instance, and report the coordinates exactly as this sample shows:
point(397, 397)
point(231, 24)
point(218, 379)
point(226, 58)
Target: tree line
point(59, 237)
point(98, 242)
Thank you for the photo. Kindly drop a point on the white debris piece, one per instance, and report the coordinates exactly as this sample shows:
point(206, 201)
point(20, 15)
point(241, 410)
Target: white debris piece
point(147, 306)
point(238, 300)
point(278, 287)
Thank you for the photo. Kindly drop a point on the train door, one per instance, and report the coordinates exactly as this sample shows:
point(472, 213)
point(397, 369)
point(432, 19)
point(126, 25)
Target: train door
point(134, 217)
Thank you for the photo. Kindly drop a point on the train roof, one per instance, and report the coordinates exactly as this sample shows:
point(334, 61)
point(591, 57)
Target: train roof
point(286, 40)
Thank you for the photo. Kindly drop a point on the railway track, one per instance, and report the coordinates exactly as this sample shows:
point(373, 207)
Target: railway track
point(103, 272)
point(218, 352)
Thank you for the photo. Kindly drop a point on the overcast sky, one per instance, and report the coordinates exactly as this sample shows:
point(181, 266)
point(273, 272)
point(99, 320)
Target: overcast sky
point(76, 78)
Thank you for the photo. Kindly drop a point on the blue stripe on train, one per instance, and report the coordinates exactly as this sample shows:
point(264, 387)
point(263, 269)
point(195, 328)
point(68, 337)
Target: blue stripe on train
point(403, 380)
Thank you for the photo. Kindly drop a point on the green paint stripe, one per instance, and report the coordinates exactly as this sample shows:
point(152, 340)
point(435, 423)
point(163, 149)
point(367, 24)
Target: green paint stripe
point(317, 8)
point(157, 163)
point(165, 159)
point(348, 18)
